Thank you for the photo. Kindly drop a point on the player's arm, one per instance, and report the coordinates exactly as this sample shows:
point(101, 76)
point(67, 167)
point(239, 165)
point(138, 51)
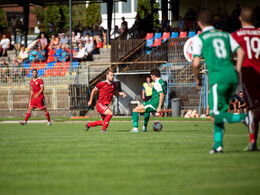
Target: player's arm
point(161, 98)
point(196, 70)
point(123, 94)
point(143, 94)
point(41, 90)
point(93, 92)
point(31, 95)
point(197, 51)
point(240, 58)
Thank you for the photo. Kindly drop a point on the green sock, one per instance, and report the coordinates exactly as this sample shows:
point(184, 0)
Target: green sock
point(227, 117)
point(218, 135)
point(146, 118)
point(135, 119)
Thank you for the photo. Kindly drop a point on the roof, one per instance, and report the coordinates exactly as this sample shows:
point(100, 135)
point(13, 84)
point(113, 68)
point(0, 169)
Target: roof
point(50, 2)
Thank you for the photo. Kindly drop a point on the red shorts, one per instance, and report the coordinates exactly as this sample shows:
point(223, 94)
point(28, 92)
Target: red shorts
point(101, 108)
point(40, 103)
point(251, 86)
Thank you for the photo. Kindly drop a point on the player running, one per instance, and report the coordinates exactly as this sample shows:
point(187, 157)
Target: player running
point(153, 105)
point(249, 39)
point(36, 98)
point(215, 46)
point(106, 90)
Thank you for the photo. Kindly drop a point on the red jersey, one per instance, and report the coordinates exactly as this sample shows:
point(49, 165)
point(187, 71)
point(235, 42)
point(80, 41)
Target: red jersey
point(106, 91)
point(249, 39)
point(36, 85)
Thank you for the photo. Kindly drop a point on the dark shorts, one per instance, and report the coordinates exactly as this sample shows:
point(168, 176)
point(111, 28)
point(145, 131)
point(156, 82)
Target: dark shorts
point(147, 98)
point(251, 87)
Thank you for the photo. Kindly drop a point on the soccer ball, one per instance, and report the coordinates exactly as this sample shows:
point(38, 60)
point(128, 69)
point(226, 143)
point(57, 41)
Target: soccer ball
point(157, 126)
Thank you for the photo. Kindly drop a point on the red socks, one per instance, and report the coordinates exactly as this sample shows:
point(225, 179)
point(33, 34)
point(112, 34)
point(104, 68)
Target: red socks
point(106, 122)
point(47, 114)
point(27, 116)
point(96, 123)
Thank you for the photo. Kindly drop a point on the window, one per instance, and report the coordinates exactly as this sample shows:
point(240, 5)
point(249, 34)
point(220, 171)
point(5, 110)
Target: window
point(126, 7)
point(104, 8)
point(135, 5)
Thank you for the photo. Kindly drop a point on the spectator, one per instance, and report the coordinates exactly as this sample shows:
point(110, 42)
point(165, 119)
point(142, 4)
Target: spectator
point(19, 34)
point(41, 54)
point(56, 42)
point(87, 37)
point(78, 37)
point(180, 23)
point(14, 23)
point(4, 44)
point(174, 24)
point(241, 103)
point(64, 55)
point(63, 39)
point(79, 55)
point(147, 89)
point(52, 39)
point(87, 31)
point(51, 54)
point(89, 48)
point(23, 55)
point(74, 40)
point(16, 70)
point(43, 41)
point(124, 26)
point(165, 22)
point(104, 33)
point(234, 103)
point(41, 26)
point(4, 70)
point(57, 53)
point(52, 26)
point(96, 31)
point(32, 55)
point(116, 33)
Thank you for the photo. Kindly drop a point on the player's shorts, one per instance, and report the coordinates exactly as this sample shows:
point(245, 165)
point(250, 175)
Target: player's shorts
point(150, 106)
point(101, 108)
point(38, 103)
point(251, 87)
point(147, 98)
point(219, 97)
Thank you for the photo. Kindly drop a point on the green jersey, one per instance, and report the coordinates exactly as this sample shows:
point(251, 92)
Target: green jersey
point(159, 87)
point(216, 47)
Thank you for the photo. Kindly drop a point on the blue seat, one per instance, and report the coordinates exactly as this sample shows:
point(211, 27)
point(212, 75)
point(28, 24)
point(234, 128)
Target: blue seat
point(26, 65)
point(41, 72)
point(149, 42)
point(50, 65)
point(157, 36)
point(191, 34)
point(30, 74)
point(75, 65)
point(174, 35)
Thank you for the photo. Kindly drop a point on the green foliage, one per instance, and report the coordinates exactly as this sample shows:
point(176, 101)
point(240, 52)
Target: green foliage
point(3, 19)
point(39, 12)
point(78, 15)
point(52, 12)
point(64, 11)
point(147, 5)
point(93, 15)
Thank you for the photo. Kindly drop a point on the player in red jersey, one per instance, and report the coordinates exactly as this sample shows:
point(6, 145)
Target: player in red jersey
point(36, 98)
point(106, 90)
point(248, 38)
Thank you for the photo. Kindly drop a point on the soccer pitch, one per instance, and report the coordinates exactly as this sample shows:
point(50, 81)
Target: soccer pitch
point(64, 159)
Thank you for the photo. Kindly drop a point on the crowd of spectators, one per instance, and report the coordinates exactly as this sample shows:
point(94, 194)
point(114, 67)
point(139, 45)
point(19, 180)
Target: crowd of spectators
point(238, 103)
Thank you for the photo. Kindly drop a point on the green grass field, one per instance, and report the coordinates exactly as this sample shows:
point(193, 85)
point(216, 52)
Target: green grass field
point(64, 159)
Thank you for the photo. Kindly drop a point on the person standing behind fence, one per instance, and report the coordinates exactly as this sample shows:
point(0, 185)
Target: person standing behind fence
point(147, 89)
point(216, 48)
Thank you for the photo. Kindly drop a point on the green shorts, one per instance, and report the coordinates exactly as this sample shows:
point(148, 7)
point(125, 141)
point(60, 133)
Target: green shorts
point(150, 106)
point(219, 97)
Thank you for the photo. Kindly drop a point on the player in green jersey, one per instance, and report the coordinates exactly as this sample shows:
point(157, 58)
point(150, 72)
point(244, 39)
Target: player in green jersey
point(153, 105)
point(216, 48)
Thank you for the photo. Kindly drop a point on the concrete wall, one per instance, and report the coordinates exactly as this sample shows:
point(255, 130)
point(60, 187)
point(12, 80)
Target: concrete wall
point(132, 86)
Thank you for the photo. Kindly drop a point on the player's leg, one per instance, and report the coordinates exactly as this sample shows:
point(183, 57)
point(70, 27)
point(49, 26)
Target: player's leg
point(135, 117)
point(27, 115)
point(222, 94)
point(146, 120)
point(109, 115)
point(101, 109)
point(47, 115)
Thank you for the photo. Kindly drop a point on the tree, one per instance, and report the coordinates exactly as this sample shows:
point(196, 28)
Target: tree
point(3, 19)
point(147, 5)
point(93, 15)
point(52, 13)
